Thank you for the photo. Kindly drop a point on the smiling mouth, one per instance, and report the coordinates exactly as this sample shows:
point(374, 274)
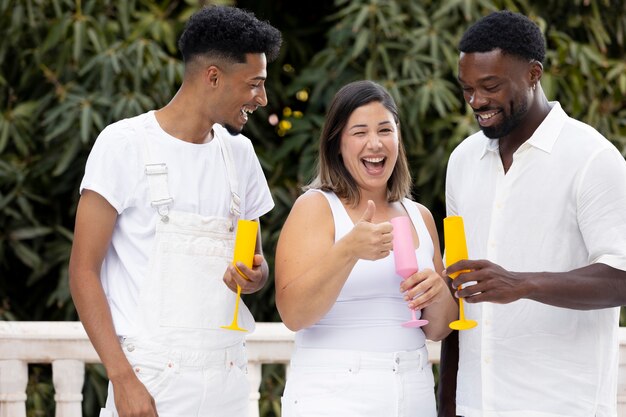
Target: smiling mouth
point(245, 111)
point(483, 117)
point(374, 164)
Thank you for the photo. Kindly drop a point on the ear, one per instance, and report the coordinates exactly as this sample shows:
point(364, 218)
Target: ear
point(212, 75)
point(536, 71)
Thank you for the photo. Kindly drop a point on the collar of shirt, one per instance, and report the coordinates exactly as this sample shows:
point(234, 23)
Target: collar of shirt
point(543, 138)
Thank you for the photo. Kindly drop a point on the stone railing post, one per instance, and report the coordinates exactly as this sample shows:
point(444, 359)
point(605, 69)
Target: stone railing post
point(254, 377)
point(68, 376)
point(13, 380)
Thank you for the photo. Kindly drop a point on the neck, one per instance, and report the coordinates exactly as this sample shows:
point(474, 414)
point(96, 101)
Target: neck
point(508, 144)
point(183, 118)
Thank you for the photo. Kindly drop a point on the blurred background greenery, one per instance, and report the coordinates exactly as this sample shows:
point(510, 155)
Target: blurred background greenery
point(70, 67)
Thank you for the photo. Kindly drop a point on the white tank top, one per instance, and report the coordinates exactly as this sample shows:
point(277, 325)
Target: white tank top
point(370, 309)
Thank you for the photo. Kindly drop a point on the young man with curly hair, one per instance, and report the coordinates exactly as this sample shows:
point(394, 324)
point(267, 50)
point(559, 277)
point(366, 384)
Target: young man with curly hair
point(155, 226)
point(543, 197)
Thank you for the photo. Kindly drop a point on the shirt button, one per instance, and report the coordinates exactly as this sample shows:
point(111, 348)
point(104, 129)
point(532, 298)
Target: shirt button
point(130, 347)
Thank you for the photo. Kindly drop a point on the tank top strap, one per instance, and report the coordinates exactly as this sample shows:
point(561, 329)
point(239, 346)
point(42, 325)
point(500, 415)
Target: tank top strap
point(343, 222)
point(426, 241)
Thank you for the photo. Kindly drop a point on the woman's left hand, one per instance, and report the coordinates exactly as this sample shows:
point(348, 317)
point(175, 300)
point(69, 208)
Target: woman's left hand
point(423, 288)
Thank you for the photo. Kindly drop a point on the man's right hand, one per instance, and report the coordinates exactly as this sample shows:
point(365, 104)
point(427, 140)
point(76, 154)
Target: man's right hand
point(132, 399)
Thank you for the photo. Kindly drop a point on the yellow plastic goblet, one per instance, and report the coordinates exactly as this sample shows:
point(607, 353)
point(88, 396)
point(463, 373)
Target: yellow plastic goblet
point(456, 250)
point(245, 242)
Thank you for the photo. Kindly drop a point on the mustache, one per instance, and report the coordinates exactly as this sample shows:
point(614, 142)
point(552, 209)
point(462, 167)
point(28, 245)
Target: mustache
point(485, 109)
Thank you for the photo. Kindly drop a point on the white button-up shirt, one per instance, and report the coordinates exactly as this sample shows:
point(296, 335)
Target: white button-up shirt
point(561, 206)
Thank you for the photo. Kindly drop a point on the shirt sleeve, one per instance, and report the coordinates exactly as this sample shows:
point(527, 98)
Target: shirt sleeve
point(112, 167)
point(258, 196)
point(602, 208)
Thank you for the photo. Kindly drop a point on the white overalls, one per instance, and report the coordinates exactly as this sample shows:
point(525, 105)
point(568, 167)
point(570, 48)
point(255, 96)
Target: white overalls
point(188, 363)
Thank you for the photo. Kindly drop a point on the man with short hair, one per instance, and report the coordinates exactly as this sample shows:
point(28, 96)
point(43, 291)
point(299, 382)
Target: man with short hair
point(150, 269)
point(543, 198)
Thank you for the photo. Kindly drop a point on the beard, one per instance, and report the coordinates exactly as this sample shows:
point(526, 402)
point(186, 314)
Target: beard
point(232, 130)
point(509, 123)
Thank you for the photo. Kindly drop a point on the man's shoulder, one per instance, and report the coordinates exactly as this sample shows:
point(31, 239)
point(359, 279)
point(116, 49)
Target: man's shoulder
point(123, 129)
point(472, 145)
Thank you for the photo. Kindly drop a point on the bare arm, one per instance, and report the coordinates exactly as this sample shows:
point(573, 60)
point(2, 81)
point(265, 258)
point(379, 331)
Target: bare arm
point(256, 277)
point(591, 287)
point(311, 268)
point(95, 221)
point(435, 299)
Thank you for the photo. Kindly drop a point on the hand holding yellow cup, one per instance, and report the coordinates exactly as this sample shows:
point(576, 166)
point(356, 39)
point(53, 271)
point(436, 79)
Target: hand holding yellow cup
point(245, 243)
point(456, 250)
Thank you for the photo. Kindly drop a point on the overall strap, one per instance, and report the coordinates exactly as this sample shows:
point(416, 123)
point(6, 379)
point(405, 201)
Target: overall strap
point(156, 172)
point(231, 173)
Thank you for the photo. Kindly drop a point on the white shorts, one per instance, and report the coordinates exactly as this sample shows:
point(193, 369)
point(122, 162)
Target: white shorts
point(190, 383)
point(332, 383)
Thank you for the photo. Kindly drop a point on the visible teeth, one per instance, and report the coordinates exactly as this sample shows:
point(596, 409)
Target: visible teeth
point(373, 160)
point(487, 116)
point(245, 110)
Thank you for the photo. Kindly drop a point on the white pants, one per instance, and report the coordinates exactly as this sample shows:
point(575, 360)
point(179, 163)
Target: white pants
point(333, 383)
point(189, 383)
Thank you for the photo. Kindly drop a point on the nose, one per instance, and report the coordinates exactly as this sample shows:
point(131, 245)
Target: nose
point(374, 142)
point(261, 98)
point(477, 100)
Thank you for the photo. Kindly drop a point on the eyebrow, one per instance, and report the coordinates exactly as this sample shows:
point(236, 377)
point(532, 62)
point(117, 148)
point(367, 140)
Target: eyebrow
point(362, 125)
point(485, 79)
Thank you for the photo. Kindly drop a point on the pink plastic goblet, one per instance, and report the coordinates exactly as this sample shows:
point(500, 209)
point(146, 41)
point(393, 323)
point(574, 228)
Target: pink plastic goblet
point(404, 256)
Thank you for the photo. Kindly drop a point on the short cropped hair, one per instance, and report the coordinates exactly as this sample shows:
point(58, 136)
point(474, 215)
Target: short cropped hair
point(332, 175)
point(228, 33)
point(512, 33)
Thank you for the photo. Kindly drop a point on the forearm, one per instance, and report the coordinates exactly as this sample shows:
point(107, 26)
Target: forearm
point(305, 299)
point(592, 287)
point(95, 315)
point(439, 316)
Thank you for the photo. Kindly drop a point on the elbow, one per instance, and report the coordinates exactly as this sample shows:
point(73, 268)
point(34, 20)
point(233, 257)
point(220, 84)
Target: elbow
point(437, 335)
point(292, 325)
point(290, 320)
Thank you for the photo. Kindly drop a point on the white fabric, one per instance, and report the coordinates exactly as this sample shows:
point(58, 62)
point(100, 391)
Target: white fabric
point(197, 182)
point(185, 302)
point(370, 309)
point(332, 383)
point(189, 383)
point(561, 206)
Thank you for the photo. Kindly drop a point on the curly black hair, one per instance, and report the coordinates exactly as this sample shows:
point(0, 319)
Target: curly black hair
point(512, 33)
point(229, 33)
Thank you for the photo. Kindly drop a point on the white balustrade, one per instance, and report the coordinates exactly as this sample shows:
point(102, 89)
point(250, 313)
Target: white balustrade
point(65, 345)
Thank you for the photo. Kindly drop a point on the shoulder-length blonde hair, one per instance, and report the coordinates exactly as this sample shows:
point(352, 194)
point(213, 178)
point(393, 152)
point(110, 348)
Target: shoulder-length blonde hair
point(332, 174)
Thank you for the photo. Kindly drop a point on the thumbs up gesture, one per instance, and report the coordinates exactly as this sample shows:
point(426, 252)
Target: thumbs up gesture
point(370, 240)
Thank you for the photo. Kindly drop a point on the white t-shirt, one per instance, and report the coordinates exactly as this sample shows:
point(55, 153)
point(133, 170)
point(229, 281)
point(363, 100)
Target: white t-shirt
point(561, 206)
point(197, 182)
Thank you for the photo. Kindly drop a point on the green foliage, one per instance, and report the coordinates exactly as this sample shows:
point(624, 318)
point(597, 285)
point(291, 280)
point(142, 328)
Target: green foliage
point(410, 48)
point(68, 68)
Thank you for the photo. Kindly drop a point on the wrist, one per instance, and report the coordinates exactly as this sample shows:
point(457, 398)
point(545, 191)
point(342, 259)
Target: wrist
point(120, 374)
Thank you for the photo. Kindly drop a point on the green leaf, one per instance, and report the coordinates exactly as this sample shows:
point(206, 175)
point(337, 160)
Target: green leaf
point(27, 233)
